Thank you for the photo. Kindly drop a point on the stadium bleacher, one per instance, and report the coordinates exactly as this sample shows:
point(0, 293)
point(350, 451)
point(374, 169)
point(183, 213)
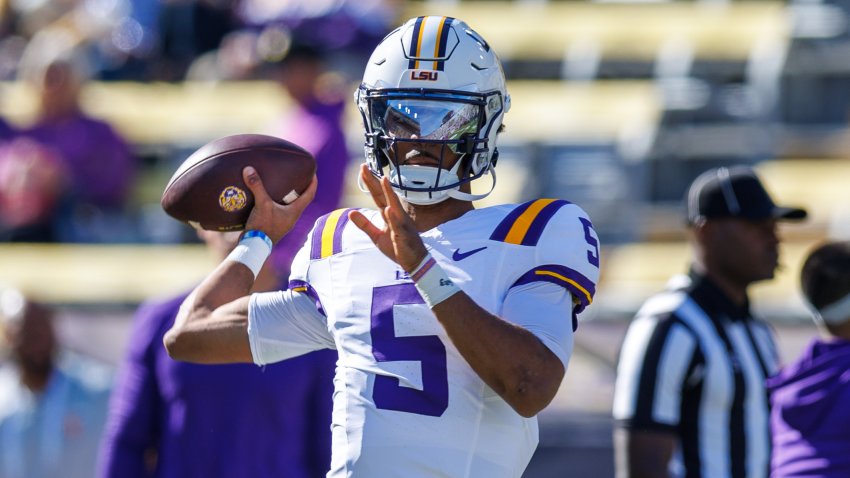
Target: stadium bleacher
point(88, 274)
point(625, 31)
point(613, 103)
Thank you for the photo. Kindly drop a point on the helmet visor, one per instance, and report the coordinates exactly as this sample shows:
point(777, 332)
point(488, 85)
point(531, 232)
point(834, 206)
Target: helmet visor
point(434, 120)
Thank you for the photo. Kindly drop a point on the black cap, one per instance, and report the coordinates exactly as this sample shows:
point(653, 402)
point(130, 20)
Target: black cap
point(734, 192)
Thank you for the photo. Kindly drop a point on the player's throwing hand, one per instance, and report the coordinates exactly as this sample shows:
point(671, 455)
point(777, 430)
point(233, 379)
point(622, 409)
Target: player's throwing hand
point(270, 217)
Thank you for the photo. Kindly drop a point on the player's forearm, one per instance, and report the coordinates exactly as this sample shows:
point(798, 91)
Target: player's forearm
point(208, 322)
point(509, 358)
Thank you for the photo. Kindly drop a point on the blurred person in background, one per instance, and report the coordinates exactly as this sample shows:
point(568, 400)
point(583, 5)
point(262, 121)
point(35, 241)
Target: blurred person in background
point(97, 160)
point(315, 119)
point(176, 419)
point(810, 419)
point(315, 122)
point(690, 398)
point(347, 29)
point(52, 408)
point(32, 181)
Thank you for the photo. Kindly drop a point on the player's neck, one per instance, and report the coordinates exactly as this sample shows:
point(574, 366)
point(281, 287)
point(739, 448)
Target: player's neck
point(432, 215)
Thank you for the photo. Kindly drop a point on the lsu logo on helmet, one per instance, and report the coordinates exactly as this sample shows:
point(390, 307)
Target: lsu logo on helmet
point(424, 75)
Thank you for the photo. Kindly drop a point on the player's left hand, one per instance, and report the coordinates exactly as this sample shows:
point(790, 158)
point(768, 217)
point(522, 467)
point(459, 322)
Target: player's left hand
point(398, 239)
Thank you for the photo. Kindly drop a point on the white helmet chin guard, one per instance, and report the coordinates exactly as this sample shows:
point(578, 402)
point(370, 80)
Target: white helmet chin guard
point(437, 89)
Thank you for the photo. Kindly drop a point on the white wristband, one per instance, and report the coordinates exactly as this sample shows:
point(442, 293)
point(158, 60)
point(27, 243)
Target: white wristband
point(432, 282)
point(253, 250)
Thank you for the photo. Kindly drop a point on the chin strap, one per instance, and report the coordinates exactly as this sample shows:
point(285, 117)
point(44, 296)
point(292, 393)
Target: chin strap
point(456, 194)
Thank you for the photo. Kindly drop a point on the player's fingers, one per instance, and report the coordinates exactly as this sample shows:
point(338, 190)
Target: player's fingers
point(255, 184)
point(368, 178)
point(373, 186)
point(398, 221)
point(390, 196)
point(365, 225)
point(394, 208)
point(307, 196)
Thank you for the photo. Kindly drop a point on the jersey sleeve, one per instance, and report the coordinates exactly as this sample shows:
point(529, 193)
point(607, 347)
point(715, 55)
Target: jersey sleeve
point(540, 307)
point(566, 248)
point(285, 324)
point(658, 359)
point(548, 291)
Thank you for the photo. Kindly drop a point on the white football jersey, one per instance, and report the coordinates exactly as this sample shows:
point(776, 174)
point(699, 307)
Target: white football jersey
point(406, 403)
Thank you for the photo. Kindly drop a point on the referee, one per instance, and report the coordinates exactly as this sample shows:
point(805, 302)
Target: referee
point(690, 399)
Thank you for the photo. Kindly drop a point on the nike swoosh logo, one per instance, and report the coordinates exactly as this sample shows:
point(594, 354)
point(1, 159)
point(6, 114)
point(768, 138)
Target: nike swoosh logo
point(459, 256)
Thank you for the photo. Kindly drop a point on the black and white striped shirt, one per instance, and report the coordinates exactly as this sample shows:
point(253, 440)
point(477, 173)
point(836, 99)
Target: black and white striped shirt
point(694, 364)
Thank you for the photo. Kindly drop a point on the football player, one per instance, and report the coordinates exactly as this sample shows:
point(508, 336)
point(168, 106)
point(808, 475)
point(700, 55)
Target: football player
point(454, 325)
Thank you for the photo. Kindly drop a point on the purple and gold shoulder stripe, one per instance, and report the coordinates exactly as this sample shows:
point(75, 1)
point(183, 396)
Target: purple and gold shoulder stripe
point(580, 287)
point(429, 41)
point(305, 288)
point(525, 224)
point(327, 235)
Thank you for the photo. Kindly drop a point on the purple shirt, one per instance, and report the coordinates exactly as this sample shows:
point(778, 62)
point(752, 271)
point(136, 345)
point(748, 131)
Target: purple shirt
point(210, 421)
point(316, 127)
point(810, 415)
point(99, 161)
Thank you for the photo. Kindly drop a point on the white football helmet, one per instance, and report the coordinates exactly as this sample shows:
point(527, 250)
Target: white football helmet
point(433, 81)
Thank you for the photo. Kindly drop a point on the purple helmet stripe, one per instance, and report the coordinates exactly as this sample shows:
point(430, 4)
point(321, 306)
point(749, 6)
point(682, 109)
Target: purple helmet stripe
point(413, 51)
point(444, 39)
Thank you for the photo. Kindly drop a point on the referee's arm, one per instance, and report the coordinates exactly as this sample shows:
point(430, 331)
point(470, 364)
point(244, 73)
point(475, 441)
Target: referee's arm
point(643, 453)
point(648, 394)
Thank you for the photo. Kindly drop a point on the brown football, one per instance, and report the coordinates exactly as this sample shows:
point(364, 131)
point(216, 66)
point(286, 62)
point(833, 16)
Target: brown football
point(207, 191)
